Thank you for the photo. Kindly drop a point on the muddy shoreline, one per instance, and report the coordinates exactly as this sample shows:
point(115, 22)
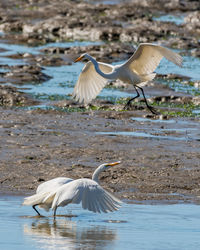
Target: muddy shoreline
point(160, 154)
point(39, 145)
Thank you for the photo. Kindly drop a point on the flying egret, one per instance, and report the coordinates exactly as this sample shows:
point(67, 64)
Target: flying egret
point(42, 191)
point(86, 191)
point(137, 69)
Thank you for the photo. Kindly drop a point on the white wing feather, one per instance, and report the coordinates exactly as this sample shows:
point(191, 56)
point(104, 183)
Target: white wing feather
point(43, 191)
point(34, 199)
point(148, 56)
point(88, 192)
point(90, 83)
point(52, 184)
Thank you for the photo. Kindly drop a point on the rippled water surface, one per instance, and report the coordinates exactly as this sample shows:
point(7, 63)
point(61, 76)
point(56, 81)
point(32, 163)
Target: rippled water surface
point(134, 226)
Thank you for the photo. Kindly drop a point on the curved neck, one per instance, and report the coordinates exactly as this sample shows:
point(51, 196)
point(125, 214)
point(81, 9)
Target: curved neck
point(110, 76)
point(95, 176)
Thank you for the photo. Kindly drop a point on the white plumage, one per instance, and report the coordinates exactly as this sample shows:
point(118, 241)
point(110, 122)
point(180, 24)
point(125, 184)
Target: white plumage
point(90, 83)
point(61, 191)
point(86, 191)
point(42, 191)
point(137, 69)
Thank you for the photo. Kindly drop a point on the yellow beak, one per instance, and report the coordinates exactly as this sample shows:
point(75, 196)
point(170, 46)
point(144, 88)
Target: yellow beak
point(78, 59)
point(114, 163)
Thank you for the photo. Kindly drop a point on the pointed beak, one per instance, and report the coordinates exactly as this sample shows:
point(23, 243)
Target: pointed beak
point(78, 59)
point(114, 163)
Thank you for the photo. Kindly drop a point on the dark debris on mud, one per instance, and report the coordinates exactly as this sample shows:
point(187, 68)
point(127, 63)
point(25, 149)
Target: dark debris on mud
point(40, 22)
point(20, 74)
point(10, 96)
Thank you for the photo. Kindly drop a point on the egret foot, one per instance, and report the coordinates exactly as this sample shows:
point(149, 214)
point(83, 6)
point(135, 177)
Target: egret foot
point(152, 109)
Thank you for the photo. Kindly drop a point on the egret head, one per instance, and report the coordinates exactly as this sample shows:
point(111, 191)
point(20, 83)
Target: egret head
point(85, 55)
point(101, 168)
point(81, 57)
point(106, 166)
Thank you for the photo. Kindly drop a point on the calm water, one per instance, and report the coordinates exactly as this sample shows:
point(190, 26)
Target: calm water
point(132, 227)
point(177, 19)
point(174, 130)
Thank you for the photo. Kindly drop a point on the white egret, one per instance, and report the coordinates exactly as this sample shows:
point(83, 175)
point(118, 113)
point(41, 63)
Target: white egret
point(42, 191)
point(137, 69)
point(86, 191)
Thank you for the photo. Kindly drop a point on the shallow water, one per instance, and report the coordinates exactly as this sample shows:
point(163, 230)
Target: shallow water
point(151, 136)
point(190, 68)
point(177, 19)
point(143, 119)
point(110, 2)
point(134, 226)
point(174, 130)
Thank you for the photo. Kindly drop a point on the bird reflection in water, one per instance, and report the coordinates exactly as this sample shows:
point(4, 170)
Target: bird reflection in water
point(65, 234)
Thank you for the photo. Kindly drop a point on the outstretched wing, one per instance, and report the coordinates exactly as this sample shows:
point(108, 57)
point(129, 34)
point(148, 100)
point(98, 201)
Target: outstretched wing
point(44, 190)
point(53, 184)
point(88, 192)
point(148, 56)
point(90, 83)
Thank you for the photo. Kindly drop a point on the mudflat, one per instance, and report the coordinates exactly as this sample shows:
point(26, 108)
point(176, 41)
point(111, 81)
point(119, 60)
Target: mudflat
point(160, 159)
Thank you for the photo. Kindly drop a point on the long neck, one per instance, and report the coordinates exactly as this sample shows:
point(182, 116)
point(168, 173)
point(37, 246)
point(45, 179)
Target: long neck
point(96, 65)
point(95, 176)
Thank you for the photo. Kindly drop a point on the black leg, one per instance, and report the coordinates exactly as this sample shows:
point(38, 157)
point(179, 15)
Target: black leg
point(153, 111)
point(130, 100)
point(36, 209)
point(54, 214)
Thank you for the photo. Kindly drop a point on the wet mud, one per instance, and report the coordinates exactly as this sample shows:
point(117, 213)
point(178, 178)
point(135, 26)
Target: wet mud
point(160, 158)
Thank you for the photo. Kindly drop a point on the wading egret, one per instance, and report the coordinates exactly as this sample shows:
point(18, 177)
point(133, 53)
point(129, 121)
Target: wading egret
point(86, 191)
point(137, 69)
point(42, 191)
